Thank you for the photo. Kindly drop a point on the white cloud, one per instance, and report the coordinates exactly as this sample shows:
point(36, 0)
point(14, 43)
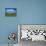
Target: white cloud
point(11, 10)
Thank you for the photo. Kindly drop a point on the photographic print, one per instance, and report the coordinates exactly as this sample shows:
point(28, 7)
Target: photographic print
point(10, 11)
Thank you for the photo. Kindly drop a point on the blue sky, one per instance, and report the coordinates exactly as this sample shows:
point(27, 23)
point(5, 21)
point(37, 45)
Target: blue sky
point(11, 10)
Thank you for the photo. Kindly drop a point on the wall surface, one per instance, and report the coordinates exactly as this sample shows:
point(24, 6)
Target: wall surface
point(28, 12)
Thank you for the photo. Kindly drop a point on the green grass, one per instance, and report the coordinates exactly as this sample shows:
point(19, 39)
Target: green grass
point(10, 14)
